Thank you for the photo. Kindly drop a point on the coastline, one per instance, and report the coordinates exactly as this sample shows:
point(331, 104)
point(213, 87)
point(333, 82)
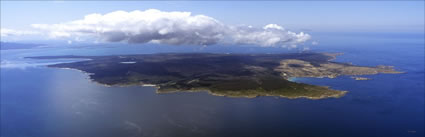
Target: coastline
point(253, 82)
point(157, 89)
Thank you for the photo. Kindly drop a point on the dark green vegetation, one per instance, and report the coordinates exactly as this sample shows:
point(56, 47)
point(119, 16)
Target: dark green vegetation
point(236, 75)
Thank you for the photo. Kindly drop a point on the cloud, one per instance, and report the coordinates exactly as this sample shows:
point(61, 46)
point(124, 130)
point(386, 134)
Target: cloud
point(273, 26)
point(270, 35)
point(11, 32)
point(173, 28)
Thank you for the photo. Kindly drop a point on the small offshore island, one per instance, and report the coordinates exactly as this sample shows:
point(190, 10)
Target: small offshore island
point(232, 75)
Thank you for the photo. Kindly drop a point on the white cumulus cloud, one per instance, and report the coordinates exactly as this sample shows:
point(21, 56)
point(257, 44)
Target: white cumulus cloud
point(273, 26)
point(174, 28)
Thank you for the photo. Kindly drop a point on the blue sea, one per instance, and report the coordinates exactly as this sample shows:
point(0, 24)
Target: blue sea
point(37, 101)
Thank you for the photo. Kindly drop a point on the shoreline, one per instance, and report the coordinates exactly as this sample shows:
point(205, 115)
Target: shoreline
point(247, 85)
point(157, 88)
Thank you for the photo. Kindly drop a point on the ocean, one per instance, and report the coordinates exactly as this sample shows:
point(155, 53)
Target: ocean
point(37, 101)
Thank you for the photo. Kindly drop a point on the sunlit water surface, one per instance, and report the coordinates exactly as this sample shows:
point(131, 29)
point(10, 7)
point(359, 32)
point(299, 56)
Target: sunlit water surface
point(37, 101)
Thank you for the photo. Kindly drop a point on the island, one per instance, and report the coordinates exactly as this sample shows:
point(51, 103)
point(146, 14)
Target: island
point(231, 75)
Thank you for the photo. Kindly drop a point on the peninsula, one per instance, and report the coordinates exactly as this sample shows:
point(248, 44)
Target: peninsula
point(232, 75)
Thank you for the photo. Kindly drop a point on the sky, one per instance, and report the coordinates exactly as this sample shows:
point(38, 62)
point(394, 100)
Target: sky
point(296, 17)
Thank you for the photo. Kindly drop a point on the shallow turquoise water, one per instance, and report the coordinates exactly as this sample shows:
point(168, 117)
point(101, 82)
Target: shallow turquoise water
point(47, 102)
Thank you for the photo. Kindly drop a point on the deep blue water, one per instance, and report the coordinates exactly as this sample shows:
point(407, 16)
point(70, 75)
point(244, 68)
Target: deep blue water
point(46, 102)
